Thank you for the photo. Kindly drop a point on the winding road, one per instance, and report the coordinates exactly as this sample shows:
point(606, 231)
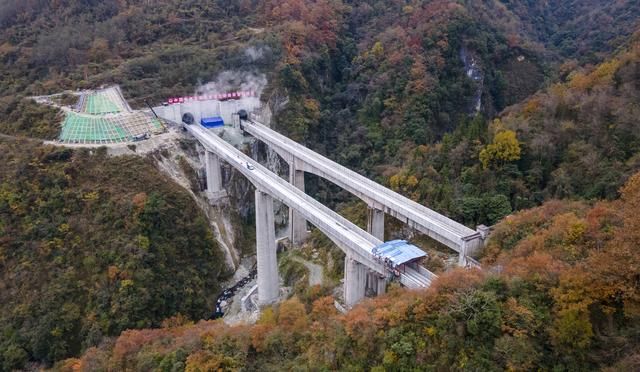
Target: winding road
point(316, 274)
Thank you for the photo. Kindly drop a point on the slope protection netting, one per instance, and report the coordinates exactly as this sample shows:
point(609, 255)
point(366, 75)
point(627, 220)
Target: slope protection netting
point(105, 101)
point(79, 128)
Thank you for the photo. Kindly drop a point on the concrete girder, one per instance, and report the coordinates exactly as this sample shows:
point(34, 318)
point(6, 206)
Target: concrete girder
point(352, 240)
point(345, 234)
point(453, 241)
point(418, 217)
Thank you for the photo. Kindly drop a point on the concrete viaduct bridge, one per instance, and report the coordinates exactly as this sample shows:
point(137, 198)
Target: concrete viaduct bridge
point(379, 199)
point(362, 269)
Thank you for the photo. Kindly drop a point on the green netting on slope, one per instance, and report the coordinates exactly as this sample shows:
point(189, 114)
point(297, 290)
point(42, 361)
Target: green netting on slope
point(121, 132)
point(100, 104)
point(66, 128)
point(72, 127)
point(82, 129)
point(98, 133)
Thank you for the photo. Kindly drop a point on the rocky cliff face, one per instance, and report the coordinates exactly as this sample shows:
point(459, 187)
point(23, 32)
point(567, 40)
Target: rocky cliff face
point(474, 72)
point(182, 159)
point(231, 217)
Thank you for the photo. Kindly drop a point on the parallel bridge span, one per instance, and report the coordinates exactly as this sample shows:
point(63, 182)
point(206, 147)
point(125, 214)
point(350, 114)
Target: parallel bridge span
point(355, 242)
point(379, 198)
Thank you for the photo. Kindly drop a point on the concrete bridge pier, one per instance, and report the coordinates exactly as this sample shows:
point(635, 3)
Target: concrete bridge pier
point(375, 222)
point(297, 223)
point(380, 284)
point(214, 174)
point(268, 279)
point(376, 284)
point(355, 281)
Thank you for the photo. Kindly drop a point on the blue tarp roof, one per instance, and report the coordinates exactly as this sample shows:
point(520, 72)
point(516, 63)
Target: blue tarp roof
point(398, 251)
point(212, 121)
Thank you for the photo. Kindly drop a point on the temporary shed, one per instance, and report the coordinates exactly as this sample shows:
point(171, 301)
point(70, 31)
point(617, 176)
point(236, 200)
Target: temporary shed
point(214, 121)
point(398, 252)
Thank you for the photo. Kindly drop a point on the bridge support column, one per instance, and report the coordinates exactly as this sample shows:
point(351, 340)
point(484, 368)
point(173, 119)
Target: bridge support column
point(376, 284)
point(355, 281)
point(297, 223)
point(382, 285)
point(214, 175)
point(375, 222)
point(268, 280)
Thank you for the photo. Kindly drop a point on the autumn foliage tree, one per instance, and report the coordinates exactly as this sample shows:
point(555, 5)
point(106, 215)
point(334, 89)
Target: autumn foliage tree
point(541, 306)
point(503, 149)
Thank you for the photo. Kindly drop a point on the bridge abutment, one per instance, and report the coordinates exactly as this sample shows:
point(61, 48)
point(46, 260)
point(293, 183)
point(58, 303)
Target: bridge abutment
point(268, 279)
point(297, 223)
point(375, 222)
point(470, 247)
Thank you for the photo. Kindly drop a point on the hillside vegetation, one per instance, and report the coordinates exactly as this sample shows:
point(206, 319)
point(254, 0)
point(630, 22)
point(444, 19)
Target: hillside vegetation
point(577, 139)
point(153, 50)
point(389, 96)
point(561, 294)
point(384, 62)
point(91, 246)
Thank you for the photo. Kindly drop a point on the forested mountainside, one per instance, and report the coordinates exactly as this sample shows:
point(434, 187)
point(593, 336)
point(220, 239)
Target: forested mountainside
point(152, 49)
point(586, 30)
point(91, 246)
point(389, 63)
point(579, 138)
point(397, 106)
point(164, 48)
point(474, 108)
point(560, 293)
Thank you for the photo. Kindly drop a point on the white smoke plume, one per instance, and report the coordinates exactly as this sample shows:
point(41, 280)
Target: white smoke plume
point(255, 53)
point(233, 81)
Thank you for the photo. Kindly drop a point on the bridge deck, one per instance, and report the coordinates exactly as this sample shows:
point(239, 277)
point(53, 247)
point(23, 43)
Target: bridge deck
point(438, 226)
point(349, 237)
